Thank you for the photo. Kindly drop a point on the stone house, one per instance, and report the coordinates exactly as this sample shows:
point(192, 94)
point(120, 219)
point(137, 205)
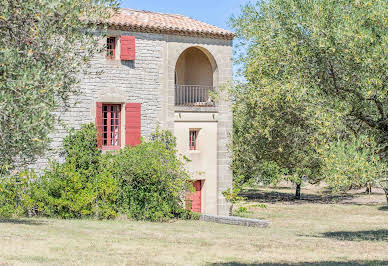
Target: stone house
point(162, 69)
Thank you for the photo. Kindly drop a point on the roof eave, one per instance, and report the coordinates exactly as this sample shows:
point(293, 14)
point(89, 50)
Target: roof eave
point(147, 29)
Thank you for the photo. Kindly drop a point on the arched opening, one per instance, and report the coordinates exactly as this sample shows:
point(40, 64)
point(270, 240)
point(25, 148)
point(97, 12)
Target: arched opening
point(194, 78)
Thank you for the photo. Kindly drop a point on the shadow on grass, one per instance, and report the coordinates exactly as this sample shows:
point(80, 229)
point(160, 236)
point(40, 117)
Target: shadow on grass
point(383, 208)
point(274, 197)
point(357, 263)
point(371, 235)
point(22, 221)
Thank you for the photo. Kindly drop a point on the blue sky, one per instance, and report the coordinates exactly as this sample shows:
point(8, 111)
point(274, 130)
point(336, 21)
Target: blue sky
point(211, 11)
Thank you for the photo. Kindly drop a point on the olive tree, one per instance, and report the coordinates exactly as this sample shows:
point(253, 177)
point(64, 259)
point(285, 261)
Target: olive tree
point(352, 163)
point(277, 134)
point(330, 57)
point(44, 47)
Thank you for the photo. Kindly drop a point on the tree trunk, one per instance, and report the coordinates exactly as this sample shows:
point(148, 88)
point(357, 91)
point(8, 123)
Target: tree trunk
point(369, 188)
point(386, 194)
point(297, 193)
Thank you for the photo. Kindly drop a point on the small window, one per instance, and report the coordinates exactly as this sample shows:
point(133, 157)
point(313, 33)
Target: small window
point(111, 47)
point(111, 137)
point(193, 139)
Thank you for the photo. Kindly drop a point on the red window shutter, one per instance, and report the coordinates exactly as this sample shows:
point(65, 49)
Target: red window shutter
point(132, 124)
point(99, 123)
point(127, 48)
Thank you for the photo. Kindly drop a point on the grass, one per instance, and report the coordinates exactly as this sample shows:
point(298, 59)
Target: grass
point(317, 230)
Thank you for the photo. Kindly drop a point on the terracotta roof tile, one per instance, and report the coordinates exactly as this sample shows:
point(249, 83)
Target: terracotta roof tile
point(145, 21)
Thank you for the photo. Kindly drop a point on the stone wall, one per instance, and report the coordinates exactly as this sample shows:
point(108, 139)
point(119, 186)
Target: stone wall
point(137, 81)
point(149, 80)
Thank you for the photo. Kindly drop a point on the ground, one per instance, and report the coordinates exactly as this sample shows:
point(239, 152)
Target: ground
point(318, 230)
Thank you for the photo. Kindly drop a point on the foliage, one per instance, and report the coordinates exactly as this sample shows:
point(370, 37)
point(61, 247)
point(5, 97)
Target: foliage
point(271, 173)
point(16, 195)
point(66, 192)
point(43, 49)
point(241, 211)
point(383, 182)
point(313, 70)
point(145, 182)
point(152, 181)
point(80, 148)
point(232, 194)
point(164, 136)
point(277, 131)
point(352, 163)
point(79, 187)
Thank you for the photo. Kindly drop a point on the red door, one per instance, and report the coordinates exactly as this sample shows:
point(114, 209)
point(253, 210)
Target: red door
point(194, 198)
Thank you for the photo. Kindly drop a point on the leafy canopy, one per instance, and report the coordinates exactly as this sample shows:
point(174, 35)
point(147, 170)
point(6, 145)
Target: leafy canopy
point(315, 71)
point(44, 46)
point(336, 49)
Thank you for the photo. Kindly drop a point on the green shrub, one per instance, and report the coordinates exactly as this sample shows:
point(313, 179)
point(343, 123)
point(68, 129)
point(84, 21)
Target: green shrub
point(152, 181)
point(78, 188)
point(80, 148)
point(146, 182)
point(165, 137)
point(16, 195)
point(66, 192)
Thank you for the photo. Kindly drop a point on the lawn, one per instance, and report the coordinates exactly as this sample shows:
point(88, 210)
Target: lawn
point(317, 230)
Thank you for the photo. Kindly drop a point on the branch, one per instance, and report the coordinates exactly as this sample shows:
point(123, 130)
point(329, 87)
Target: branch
point(379, 106)
point(338, 88)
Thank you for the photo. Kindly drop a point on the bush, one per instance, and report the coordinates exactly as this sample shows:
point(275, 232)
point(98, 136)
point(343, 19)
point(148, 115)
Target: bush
point(165, 137)
point(152, 181)
point(66, 192)
point(77, 188)
point(16, 195)
point(146, 182)
point(80, 148)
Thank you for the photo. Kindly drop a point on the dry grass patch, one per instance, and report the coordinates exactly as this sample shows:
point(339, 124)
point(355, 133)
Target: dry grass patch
point(301, 233)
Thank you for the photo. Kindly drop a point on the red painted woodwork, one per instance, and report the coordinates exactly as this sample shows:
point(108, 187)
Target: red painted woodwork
point(194, 198)
point(111, 47)
point(193, 139)
point(132, 124)
point(111, 131)
point(99, 123)
point(127, 48)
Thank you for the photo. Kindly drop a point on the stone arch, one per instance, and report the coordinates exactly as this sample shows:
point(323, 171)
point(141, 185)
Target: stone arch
point(195, 65)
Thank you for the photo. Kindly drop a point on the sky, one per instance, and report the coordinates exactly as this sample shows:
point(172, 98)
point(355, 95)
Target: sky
point(213, 12)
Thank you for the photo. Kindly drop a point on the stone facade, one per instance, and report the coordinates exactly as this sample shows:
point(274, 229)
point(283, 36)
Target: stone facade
point(149, 80)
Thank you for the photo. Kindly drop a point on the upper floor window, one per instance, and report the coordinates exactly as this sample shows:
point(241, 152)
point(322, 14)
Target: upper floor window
point(111, 47)
point(193, 136)
point(111, 137)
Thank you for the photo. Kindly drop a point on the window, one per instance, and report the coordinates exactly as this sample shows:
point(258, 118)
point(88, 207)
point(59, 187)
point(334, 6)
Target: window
point(193, 139)
point(111, 47)
point(111, 137)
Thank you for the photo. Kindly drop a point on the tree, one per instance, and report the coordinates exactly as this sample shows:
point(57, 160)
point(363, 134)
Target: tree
point(330, 56)
point(352, 163)
point(277, 132)
point(44, 46)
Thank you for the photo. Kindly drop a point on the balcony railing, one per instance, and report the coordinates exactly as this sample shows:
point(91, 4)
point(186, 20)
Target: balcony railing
point(193, 95)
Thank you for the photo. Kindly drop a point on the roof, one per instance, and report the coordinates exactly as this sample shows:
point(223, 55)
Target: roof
point(145, 21)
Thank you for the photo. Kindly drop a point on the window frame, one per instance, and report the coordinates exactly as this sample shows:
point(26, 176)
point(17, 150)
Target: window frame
point(113, 48)
point(193, 139)
point(108, 125)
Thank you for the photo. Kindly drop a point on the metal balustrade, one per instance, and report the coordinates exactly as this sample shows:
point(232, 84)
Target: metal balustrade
point(193, 95)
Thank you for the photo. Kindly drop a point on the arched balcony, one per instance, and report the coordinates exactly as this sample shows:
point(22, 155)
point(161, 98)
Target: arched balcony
point(194, 78)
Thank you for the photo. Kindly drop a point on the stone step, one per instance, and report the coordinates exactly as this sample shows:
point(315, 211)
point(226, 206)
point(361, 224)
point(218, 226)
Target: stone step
point(235, 220)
